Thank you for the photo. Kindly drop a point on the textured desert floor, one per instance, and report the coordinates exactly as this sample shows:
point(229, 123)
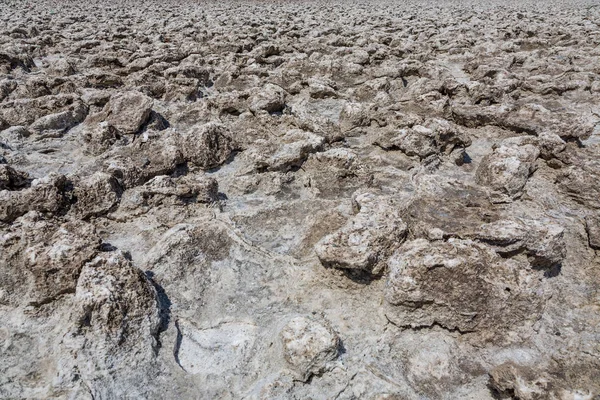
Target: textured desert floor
point(299, 200)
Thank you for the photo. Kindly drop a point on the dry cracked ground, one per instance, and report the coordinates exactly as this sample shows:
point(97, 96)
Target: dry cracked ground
point(299, 200)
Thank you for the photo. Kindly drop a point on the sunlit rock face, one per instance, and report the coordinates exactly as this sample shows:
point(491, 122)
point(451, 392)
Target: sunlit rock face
point(299, 200)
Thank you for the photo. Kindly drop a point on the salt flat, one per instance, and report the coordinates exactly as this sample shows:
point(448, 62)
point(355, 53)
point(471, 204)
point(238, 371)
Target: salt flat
point(299, 200)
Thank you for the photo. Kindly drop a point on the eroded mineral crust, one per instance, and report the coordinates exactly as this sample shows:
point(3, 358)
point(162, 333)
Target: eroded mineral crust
point(300, 200)
point(460, 285)
point(309, 345)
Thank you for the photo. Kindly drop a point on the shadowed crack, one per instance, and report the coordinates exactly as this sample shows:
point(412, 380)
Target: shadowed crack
point(427, 327)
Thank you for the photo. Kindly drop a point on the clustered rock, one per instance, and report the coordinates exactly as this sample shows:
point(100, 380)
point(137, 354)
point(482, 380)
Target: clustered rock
point(293, 200)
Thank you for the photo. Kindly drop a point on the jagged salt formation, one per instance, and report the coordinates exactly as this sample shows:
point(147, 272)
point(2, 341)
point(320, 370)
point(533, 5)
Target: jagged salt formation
point(299, 200)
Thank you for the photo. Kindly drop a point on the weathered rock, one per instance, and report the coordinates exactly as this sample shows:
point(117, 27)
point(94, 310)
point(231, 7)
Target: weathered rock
point(309, 345)
point(337, 171)
point(592, 225)
point(46, 195)
point(135, 164)
point(542, 242)
point(117, 304)
point(321, 88)
point(117, 322)
point(291, 152)
point(435, 136)
point(165, 191)
point(449, 207)
point(460, 285)
point(507, 169)
point(62, 121)
point(520, 382)
point(128, 111)
point(271, 99)
point(99, 138)
point(24, 112)
point(96, 195)
point(10, 179)
point(365, 242)
point(42, 258)
point(188, 251)
point(14, 136)
point(579, 183)
point(353, 115)
point(188, 71)
point(199, 188)
point(62, 67)
point(207, 146)
point(443, 158)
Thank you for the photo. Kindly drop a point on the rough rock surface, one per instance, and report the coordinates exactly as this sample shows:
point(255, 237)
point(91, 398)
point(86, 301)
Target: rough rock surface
point(365, 242)
point(128, 111)
point(308, 345)
point(299, 200)
point(460, 285)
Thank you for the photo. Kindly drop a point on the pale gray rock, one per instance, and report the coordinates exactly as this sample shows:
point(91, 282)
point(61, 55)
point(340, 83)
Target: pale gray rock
point(60, 122)
point(13, 138)
point(542, 242)
point(140, 161)
point(369, 237)
point(128, 111)
point(46, 195)
point(592, 225)
point(116, 324)
point(579, 182)
point(433, 137)
point(507, 169)
point(270, 98)
point(207, 146)
point(353, 115)
point(309, 345)
point(100, 137)
point(385, 200)
point(291, 151)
